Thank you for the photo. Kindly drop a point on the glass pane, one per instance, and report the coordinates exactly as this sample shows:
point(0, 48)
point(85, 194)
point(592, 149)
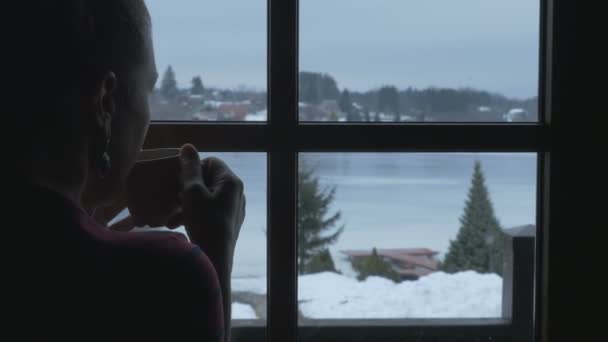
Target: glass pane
point(411, 235)
point(211, 59)
point(430, 61)
point(249, 270)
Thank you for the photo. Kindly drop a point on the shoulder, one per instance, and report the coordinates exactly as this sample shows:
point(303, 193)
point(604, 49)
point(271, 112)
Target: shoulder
point(174, 279)
point(161, 250)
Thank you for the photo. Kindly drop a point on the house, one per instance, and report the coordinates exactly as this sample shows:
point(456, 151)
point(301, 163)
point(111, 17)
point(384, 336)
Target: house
point(409, 263)
point(234, 111)
point(213, 110)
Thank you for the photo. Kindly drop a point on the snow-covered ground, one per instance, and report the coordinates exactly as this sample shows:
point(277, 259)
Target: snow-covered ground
point(439, 295)
point(242, 311)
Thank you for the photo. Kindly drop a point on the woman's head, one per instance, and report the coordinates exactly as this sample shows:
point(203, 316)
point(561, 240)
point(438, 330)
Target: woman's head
point(83, 70)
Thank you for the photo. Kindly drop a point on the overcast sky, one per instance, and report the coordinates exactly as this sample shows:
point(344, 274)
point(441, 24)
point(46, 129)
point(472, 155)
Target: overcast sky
point(486, 44)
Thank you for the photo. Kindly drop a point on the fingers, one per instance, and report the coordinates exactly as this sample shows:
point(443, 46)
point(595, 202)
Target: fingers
point(190, 162)
point(195, 192)
point(124, 225)
point(226, 187)
point(220, 179)
point(212, 195)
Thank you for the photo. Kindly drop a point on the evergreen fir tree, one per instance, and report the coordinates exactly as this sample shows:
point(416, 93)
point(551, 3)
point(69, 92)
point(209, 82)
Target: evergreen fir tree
point(168, 87)
point(315, 226)
point(197, 86)
point(479, 242)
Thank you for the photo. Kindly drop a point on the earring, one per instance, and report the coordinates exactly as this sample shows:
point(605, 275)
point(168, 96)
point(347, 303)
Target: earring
point(105, 163)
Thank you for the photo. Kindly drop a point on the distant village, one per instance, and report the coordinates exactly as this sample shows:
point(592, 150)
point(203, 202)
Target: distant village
point(322, 100)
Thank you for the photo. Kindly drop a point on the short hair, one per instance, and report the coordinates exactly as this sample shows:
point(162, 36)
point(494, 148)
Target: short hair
point(70, 42)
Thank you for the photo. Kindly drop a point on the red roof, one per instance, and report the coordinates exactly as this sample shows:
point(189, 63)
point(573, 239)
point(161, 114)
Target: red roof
point(409, 256)
point(238, 111)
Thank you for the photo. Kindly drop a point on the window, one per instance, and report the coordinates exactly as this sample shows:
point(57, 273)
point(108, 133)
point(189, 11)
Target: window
point(417, 235)
point(267, 122)
point(211, 59)
point(418, 61)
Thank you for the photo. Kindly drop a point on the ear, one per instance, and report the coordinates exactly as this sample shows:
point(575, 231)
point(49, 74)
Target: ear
point(106, 102)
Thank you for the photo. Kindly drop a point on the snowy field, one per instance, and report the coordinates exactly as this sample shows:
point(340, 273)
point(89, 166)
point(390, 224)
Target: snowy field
point(242, 311)
point(439, 295)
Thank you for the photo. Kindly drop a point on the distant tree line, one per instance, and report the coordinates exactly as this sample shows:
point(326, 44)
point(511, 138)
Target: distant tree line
point(440, 104)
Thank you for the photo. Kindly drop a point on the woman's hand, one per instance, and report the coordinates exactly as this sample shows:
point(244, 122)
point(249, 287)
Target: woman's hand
point(213, 204)
point(213, 210)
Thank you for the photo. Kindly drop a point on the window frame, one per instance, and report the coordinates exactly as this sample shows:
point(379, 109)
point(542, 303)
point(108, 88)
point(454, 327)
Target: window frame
point(283, 138)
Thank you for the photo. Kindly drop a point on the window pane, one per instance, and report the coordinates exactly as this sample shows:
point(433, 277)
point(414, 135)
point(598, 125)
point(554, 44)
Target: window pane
point(249, 270)
point(411, 235)
point(406, 60)
point(211, 59)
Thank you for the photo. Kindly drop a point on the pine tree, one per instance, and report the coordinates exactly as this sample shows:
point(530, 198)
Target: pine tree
point(315, 226)
point(168, 87)
point(197, 86)
point(479, 242)
point(374, 265)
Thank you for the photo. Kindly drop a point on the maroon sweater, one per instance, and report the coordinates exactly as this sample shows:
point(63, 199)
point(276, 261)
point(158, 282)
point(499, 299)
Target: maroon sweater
point(70, 278)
